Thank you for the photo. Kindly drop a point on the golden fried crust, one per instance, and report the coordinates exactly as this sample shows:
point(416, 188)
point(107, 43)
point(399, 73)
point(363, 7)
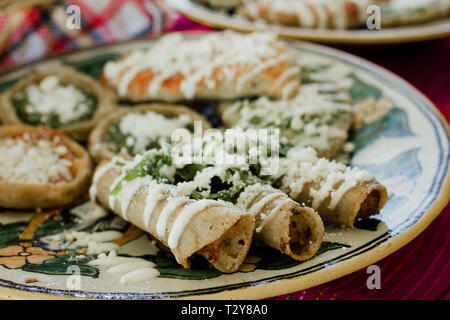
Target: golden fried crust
point(97, 148)
point(106, 100)
point(38, 196)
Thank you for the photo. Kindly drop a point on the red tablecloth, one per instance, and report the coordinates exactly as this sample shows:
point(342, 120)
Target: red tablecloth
point(420, 270)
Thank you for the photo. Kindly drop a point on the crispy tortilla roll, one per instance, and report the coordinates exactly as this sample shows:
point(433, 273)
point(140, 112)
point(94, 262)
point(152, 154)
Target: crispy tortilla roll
point(341, 195)
point(218, 231)
point(323, 14)
point(313, 118)
point(214, 66)
point(281, 223)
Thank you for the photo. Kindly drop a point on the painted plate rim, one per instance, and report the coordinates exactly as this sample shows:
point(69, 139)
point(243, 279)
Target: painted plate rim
point(382, 246)
point(410, 33)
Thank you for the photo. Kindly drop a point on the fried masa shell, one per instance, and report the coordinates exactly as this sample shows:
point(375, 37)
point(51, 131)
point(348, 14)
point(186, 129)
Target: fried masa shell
point(106, 100)
point(39, 196)
point(98, 149)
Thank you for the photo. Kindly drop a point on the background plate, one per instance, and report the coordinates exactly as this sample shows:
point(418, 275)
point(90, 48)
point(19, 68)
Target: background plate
point(205, 15)
point(406, 147)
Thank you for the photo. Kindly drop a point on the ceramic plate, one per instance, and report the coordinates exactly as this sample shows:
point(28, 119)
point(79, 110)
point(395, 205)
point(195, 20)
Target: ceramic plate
point(405, 145)
point(214, 18)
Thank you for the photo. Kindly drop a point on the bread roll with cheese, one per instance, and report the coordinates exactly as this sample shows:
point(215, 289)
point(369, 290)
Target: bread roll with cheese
point(215, 230)
point(213, 66)
point(62, 99)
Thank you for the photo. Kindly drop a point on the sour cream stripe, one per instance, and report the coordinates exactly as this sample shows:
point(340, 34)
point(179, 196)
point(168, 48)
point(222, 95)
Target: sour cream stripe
point(184, 218)
point(154, 197)
point(170, 207)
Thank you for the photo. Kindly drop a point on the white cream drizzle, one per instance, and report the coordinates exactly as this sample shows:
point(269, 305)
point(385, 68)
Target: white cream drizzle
point(198, 60)
point(260, 204)
point(129, 189)
point(184, 218)
point(129, 266)
point(139, 275)
point(128, 166)
point(154, 197)
point(133, 269)
point(172, 204)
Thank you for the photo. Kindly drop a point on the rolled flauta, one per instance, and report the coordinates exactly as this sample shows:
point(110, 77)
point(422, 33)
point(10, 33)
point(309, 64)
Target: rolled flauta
point(282, 223)
point(310, 119)
point(215, 230)
point(214, 66)
point(340, 194)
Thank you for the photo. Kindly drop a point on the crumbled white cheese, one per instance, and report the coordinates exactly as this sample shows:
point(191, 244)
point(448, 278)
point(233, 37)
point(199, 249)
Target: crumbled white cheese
point(146, 127)
point(210, 58)
point(323, 178)
point(34, 161)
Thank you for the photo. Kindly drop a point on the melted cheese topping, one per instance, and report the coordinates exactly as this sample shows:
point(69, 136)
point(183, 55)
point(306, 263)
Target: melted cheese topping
point(213, 57)
point(34, 161)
